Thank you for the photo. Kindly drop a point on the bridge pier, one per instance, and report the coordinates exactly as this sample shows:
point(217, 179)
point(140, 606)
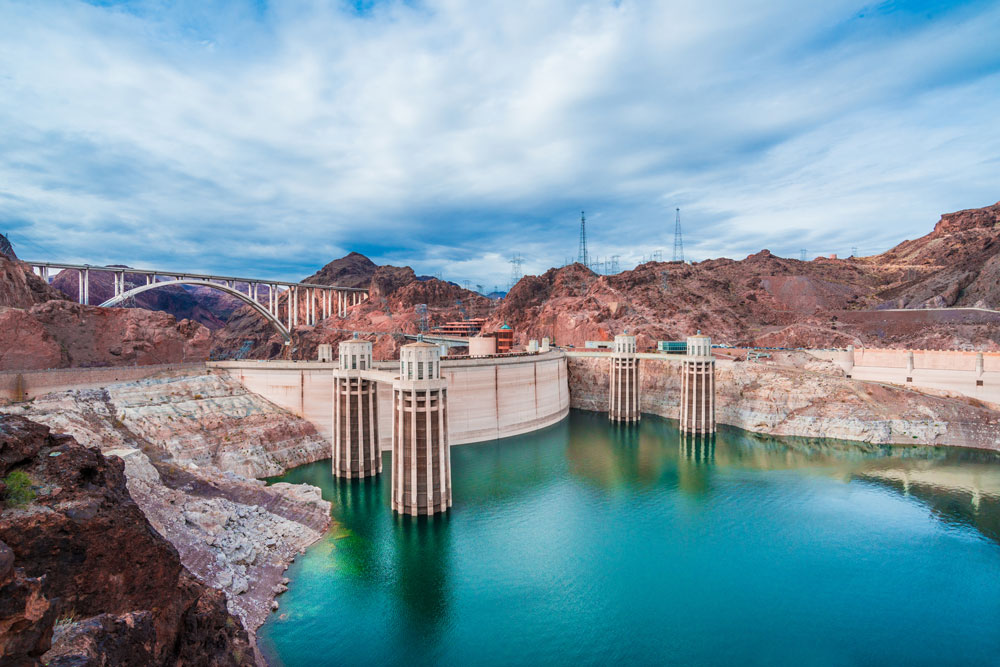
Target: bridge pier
point(356, 451)
point(698, 387)
point(624, 395)
point(421, 458)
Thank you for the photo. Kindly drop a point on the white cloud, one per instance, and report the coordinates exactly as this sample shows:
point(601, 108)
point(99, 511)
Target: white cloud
point(452, 134)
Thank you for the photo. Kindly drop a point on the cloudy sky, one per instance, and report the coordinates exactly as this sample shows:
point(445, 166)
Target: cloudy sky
point(267, 138)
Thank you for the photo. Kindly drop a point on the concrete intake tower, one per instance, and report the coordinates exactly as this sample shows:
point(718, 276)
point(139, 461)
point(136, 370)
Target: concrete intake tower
point(623, 397)
point(356, 451)
point(698, 387)
point(421, 458)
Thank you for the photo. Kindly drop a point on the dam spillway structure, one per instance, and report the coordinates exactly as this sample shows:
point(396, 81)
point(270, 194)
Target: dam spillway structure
point(623, 397)
point(421, 458)
point(356, 452)
point(698, 387)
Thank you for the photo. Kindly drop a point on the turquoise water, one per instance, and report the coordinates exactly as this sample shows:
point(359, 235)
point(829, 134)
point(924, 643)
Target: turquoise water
point(588, 544)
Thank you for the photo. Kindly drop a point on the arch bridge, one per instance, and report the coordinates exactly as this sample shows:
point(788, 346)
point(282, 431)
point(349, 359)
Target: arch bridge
point(287, 305)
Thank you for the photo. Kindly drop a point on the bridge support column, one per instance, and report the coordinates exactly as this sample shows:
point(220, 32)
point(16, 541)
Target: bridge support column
point(624, 394)
point(698, 387)
point(356, 451)
point(421, 458)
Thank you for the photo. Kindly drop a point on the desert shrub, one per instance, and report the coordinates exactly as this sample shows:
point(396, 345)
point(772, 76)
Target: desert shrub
point(19, 491)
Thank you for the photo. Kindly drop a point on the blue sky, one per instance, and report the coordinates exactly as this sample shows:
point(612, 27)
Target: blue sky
point(266, 138)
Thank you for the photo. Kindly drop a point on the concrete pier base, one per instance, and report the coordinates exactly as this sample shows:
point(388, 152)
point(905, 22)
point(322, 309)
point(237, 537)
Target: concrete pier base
point(698, 387)
point(356, 451)
point(421, 456)
point(623, 403)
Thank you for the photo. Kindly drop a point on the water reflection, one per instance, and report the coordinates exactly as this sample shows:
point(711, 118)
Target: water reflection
point(421, 577)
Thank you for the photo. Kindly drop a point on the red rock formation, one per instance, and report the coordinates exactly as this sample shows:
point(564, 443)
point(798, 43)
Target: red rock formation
point(351, 270)
point(59, 334)
point(20, 287)
point(83, 551)
point(767, 300)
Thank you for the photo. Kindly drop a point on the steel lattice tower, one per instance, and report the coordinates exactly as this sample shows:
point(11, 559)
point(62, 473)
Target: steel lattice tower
point(678, 241)
point(583, 258)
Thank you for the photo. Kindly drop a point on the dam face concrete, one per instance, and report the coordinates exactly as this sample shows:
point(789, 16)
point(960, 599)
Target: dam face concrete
point(488, 399)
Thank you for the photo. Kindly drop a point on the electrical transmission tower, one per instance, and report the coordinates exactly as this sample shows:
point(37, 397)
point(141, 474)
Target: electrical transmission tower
point(678, 241)
point(583, 258)
point(515, 269)
point(421, 309)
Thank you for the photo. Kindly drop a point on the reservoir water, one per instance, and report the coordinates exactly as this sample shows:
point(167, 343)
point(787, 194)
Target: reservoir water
point(589, 543)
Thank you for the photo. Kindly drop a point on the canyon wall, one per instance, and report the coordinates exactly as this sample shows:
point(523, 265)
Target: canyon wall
point(190, 446)
point(788, 401)
point(487, 398)
point(85, 578)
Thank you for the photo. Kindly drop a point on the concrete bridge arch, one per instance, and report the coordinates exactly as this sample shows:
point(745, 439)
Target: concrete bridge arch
point(275, 322)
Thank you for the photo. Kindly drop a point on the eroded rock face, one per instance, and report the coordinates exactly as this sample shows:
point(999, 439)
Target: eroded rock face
point(62, 334)
point(812, 400)
point(189, 446)
point(84, 550)
point(20, 287)
point(351, 270)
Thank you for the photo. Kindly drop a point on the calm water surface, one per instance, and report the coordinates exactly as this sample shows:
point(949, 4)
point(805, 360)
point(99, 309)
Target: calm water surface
point(588, 543)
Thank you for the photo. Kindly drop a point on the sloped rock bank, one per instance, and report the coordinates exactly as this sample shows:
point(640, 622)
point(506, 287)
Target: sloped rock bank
point(85, 579)
point(815, 401)
point(190, 447)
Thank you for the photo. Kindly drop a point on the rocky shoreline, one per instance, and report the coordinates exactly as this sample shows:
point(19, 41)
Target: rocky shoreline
point(811, 399)
point(191, 448)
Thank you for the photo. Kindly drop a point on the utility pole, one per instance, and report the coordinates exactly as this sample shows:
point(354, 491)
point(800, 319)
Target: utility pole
point(583, 258)
point(678, 241)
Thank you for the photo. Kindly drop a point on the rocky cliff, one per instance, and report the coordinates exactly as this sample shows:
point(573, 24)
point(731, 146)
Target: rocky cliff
point(814, 400)
point(771, 301)
point(190, 446)
point(62, 334)
point(21, 288)
point(85, 579)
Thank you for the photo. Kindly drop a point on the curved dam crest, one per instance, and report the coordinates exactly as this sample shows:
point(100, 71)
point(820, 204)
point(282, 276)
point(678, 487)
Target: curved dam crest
point(489, 399)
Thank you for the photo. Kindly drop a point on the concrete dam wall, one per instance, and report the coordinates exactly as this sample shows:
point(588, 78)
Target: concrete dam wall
point(487, 398)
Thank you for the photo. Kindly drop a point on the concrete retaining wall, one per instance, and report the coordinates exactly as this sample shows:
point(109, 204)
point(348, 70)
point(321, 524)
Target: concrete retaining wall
point(940, 370)
point(26, 385)
point(487, 398)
